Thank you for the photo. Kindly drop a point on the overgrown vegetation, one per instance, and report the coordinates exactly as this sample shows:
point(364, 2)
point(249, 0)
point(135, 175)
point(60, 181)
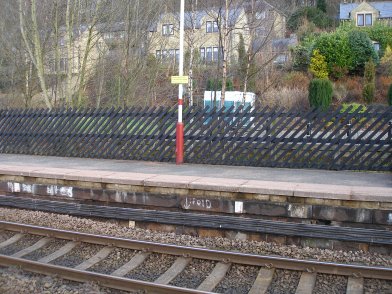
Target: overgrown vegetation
point(320, 93)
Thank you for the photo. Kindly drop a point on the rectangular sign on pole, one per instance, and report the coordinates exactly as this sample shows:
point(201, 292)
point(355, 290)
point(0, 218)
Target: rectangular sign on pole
point(179, 80)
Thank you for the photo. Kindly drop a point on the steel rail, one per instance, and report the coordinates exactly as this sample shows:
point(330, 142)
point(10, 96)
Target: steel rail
point(373, 272)
point(87, 276)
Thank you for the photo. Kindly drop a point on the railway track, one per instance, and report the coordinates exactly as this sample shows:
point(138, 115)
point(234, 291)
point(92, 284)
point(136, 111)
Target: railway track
point(59, 260)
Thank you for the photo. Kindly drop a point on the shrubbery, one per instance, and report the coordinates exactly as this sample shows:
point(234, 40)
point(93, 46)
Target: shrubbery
point(345, 51)
point(318, 66)
point(312, 14)
point(389, 95)
point(320, 93)
point(361, 48)
point(301, 58)
point(370, 78)
point(216, 85)
point(337, 52)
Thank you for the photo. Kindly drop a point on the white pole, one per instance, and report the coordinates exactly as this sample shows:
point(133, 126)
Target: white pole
point(180, 125)
point(181, 61)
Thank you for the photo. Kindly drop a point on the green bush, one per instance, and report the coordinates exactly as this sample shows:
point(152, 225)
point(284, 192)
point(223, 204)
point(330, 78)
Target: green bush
point(320, 93)
point(370, 84)
point(389, 95)
point(336, 50)
point(322, 5)
point(368, 92)
point(318, 66)
point(380, 33)
point(301, 58)
point(362, 50)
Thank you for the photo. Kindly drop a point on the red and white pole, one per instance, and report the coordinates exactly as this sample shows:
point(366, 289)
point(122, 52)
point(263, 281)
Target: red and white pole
point(180, 124)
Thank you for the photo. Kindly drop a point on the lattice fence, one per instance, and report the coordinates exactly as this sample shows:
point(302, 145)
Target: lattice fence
point(357, 139)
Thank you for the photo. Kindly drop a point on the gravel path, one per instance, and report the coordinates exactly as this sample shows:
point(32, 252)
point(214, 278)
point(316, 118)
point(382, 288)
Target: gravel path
point(194, 273)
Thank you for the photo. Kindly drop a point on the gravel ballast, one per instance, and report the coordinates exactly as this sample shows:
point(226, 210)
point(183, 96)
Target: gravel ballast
point(107, 227)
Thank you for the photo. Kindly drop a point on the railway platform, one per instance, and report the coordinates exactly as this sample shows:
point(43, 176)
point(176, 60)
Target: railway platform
point(202, 200)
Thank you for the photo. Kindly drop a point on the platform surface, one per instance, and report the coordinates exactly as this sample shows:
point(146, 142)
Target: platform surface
point(347, 185)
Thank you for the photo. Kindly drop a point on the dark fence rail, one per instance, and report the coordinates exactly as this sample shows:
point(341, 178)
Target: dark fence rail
point(357, 139)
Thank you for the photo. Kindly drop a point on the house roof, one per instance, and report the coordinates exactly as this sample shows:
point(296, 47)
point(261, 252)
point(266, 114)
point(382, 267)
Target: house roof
point(234, 13)
point(278, 45)
point(385, 9)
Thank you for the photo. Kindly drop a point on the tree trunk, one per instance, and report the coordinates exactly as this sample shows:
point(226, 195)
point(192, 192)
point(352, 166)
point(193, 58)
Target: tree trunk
point(224, 51)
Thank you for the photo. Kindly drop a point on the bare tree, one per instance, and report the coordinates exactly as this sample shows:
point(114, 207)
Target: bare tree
point(34, 45)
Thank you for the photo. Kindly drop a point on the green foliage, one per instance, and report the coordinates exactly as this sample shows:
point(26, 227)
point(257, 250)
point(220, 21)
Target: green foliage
point(322, 5)
point(216, 85)
point(301, 58)
point(353, 108)
point(389, 95)
point(380, 33)
point(229, 85)
point(336, 50)
point(361, 49)
point(318, 66)
point(320, 93)
point(370, 77)
point(368, 92)
point(370, 71)
point(312, 14)
point(386, 60)
point(345, 50)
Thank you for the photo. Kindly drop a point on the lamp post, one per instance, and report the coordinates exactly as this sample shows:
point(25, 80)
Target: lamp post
point(180, 124)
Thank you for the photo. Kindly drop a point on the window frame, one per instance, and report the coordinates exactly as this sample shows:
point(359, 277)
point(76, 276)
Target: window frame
point(215, 53)
point(209, 53)
point(203, 53)
point(212, 26)
point(364, 19)
point(167, 29)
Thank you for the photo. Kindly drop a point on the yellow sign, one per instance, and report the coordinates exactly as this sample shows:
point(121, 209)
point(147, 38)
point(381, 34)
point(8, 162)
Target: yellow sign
point(179, 79)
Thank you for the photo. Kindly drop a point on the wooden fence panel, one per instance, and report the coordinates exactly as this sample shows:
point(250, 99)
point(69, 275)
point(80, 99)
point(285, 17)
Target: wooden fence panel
point(357, 139)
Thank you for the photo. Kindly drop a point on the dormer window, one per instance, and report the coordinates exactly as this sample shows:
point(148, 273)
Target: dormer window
point(212, 27)
point(364, 19)
point(167, 29)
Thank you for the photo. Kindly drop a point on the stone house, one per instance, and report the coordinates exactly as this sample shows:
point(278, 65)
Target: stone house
point(366, 13)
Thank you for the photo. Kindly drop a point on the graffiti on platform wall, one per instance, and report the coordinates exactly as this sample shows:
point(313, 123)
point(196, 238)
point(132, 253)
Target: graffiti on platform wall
point(18, 188)
point(34, 189)
point(197, 203)
point(59, 191)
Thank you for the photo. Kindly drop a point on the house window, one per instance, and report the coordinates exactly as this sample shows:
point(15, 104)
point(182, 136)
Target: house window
point(164, 54)
point(63, 65)
point(158, 54)
point(261, 15)
point(177, 55)
point(364, 19)
point(212, 26)
point(215, 54)
point(209, 54)
point(167, 29)
point(203, 53)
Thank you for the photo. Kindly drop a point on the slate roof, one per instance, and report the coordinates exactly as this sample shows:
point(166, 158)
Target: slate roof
point(385, 9)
